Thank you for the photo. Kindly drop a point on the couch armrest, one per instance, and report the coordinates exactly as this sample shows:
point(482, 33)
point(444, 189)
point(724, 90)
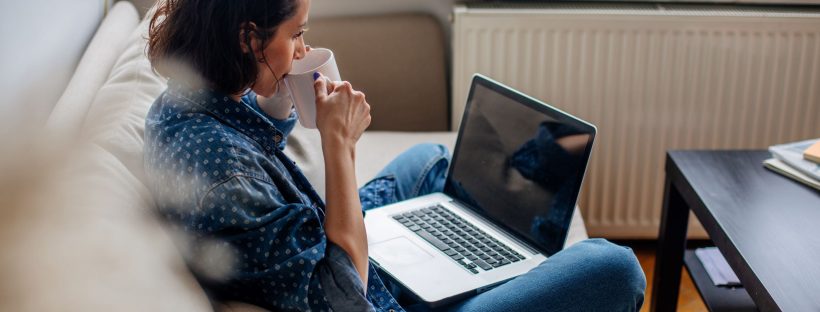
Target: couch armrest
point(105, 48)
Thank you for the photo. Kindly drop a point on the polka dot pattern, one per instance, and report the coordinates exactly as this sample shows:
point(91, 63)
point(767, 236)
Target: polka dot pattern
point(218, 172)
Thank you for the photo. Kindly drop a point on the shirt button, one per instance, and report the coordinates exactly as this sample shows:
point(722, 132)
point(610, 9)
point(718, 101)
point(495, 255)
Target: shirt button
point(391, 310)
point(277, 138)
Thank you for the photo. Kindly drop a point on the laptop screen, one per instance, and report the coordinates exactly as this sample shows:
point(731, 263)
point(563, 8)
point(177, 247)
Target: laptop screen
point(520, 163)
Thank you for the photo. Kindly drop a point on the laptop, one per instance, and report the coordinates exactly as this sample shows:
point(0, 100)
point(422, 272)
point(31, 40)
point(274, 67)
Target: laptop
point(507, 204)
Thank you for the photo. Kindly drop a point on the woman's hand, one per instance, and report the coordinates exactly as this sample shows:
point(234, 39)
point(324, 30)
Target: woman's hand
point(342, 114)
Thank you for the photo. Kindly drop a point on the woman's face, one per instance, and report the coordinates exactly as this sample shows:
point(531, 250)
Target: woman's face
point(285, 46)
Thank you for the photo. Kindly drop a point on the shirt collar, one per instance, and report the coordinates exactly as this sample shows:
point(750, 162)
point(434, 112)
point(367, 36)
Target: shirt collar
point(241, 115)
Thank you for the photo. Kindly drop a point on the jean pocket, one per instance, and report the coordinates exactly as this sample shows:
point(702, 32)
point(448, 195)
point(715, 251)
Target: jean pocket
point(378, 192)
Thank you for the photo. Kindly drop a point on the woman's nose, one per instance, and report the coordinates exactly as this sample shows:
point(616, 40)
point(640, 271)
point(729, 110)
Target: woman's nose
point(301, 49)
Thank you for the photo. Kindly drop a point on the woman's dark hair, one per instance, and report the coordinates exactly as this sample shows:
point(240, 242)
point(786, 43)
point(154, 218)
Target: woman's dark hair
point(203, 37)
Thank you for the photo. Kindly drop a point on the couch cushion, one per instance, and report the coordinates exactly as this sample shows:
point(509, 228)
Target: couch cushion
point(374, 150)
point(108, 199)
point(76, 237)
point(105, 48)
point(116, 118)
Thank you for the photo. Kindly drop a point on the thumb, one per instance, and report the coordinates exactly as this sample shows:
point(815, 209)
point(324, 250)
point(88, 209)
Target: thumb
point(319, 86)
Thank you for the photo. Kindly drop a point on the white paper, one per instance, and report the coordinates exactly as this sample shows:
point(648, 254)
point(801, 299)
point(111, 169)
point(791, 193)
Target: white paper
point(792, 155)
point(716, 267)
point(784, 169)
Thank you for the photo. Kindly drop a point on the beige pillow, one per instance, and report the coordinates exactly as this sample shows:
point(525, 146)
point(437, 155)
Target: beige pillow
point(76, 237)
point(116, 119)
point(374, 150)
point(89, 239)
point(105, 48)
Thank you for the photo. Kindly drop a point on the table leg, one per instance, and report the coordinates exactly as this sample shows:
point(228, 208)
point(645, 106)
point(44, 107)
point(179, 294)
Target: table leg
point(671, 245)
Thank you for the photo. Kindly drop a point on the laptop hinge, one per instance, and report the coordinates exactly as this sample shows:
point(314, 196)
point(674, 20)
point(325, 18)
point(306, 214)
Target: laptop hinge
point(507, 234)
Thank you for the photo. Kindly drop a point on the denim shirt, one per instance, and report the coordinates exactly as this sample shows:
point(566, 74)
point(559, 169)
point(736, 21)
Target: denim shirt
point(217, 170)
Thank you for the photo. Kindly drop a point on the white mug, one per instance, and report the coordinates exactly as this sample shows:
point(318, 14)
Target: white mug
point(300, 82)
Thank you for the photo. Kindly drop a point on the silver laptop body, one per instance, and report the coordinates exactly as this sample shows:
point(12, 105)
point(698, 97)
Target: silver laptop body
point(510, 193)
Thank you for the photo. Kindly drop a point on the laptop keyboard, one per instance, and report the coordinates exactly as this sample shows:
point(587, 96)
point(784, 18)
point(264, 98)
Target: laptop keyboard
point(467, 245)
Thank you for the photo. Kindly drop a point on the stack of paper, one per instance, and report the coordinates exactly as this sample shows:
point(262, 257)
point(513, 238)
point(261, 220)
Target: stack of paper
point(813, 153)
point(716, 267)
point(788, 160)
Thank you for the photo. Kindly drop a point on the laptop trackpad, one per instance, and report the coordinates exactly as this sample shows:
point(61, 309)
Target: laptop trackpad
point(400, 251)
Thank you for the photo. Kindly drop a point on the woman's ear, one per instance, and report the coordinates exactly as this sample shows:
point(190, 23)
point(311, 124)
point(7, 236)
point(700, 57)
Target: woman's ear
point(248, 41)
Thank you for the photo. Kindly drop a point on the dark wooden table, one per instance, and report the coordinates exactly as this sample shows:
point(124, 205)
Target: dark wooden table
point(767, 227)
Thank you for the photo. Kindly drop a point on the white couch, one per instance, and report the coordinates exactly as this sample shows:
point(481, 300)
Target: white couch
point(80, 232)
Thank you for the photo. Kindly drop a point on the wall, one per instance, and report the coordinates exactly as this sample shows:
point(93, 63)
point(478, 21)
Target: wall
point(441, 9)
point(42, 44)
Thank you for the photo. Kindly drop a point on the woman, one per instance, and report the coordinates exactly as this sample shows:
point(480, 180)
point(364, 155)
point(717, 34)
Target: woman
point(214, 154)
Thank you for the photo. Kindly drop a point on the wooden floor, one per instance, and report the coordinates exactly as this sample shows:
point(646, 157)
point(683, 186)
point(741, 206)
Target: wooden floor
point(688, 298)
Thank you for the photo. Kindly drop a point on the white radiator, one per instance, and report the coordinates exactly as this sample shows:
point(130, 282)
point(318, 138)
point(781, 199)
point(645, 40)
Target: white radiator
point(652, 78)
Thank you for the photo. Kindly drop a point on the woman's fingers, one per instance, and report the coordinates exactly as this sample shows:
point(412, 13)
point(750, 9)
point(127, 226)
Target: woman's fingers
point(358, 95)
point(321, 87)
point(331, 85)
point(345, 86)
point(344, 110)
point(342, 88)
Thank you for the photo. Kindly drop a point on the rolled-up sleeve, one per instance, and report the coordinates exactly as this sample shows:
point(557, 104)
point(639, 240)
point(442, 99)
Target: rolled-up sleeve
point(344, 290)
point(284, 259)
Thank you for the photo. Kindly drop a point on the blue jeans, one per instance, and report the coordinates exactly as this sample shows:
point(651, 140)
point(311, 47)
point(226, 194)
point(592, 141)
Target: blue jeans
point(592, 275)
